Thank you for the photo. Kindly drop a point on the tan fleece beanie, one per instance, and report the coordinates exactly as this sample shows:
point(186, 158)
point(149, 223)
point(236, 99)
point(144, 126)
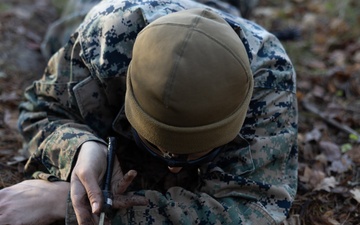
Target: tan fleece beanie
point(189, 83)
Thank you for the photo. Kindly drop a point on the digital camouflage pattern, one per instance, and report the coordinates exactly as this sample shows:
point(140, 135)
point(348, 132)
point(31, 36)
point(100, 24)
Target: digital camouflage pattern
point(80, 98)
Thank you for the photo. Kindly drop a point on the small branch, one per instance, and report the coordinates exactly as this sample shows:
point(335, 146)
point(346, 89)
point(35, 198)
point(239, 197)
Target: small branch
point(312, 108)
point(4, 166)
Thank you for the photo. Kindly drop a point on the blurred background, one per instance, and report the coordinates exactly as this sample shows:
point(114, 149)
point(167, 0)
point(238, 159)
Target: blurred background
point(322, 39)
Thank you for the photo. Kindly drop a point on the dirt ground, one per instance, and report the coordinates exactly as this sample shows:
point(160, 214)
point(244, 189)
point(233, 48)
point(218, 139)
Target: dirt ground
point(22, 27)
point(323, 42)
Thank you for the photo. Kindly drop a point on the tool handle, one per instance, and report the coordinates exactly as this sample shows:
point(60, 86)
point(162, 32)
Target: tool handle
point(110, 163)
point(107, 206)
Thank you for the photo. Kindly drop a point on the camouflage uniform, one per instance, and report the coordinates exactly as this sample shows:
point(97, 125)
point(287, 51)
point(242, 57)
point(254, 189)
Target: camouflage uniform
point(80, 98)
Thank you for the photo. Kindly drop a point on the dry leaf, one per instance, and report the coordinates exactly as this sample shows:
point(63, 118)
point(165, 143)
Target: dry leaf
point(11, 118)
point(326, 184)
point(318, 91)
point(340, 165)
point(330, 150)
point(9, 97)
point(354, 154)
point(356, 194)
point(328, 216)
point(338, 57)
point(16, 159)
point(357, 57)
point(333, 221)
point(313, 135)
point(313, 178)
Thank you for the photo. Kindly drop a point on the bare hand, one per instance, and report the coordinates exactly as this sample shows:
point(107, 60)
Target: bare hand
point(85, 182)
point(29, 202)
point(119, 187)
point(85, 179)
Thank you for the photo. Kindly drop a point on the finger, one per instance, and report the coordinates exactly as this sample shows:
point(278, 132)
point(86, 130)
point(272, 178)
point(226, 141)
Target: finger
point(126, 201)
point(80, 202)
point(124, 183)
point(93, 191)
point(117, 176)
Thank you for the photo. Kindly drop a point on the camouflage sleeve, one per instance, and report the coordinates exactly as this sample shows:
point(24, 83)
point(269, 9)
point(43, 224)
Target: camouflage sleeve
point(50, 121)
point(81, 91)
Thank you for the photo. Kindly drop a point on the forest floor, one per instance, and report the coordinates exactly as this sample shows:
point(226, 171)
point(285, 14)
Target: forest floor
point(326, 55)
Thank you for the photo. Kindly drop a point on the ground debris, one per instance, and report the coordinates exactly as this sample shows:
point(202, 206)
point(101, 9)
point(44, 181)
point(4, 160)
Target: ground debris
point(326, 56)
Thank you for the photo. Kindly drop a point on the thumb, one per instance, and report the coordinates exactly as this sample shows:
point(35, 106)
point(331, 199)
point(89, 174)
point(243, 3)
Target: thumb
point(89, 171)
point(85, 190)
point(83, 193)
point(94, 194)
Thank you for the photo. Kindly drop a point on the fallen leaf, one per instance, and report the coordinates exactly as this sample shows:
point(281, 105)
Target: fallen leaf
point(356, 57)
point(11, 118)
point(338, 58)
point(9, 97)
point(356, 194)
point(318, 91)
point(333, 221)
point(316, 64)
point(354, 154)
point(313, 178)
point(339, 26)
point(313, 135)
point(2, 74)
point(329, 217)
point(16, 159)
point(330, 150)
point(346, 147)
point(309, 20)
point(6, 152)
point(267, 12)
point(326, 184)
point(340, 165)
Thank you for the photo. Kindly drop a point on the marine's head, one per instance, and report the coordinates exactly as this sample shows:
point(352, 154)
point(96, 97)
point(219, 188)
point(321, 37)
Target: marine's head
point(189, 83)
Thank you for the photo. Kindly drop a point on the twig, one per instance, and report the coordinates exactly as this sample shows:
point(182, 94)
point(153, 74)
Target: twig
point(347, 217)
point(4, 166)
point(310, 107)
point(348, 109)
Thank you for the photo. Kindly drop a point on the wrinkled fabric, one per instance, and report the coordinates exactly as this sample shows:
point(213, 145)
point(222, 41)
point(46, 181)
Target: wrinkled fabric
point(81, 95)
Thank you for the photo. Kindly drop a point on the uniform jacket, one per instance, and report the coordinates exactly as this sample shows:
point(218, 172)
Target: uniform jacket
point(80, 98)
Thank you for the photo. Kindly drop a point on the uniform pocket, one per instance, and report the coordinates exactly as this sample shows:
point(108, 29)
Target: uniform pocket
point(93, 105)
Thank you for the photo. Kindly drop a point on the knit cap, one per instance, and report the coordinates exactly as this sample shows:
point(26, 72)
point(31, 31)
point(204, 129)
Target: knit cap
point(189, 82)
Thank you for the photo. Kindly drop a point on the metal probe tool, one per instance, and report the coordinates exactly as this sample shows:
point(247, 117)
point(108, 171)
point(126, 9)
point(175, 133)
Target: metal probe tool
point(107, 206)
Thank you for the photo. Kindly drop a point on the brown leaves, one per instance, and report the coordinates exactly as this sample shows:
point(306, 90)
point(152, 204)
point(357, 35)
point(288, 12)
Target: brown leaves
point(327, 62)
point(327, 171)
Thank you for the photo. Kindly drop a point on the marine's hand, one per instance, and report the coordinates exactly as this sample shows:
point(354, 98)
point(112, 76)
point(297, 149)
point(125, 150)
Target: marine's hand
point(29, 202)
point(88, 172)
point(121, 199)
point(86, 178)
